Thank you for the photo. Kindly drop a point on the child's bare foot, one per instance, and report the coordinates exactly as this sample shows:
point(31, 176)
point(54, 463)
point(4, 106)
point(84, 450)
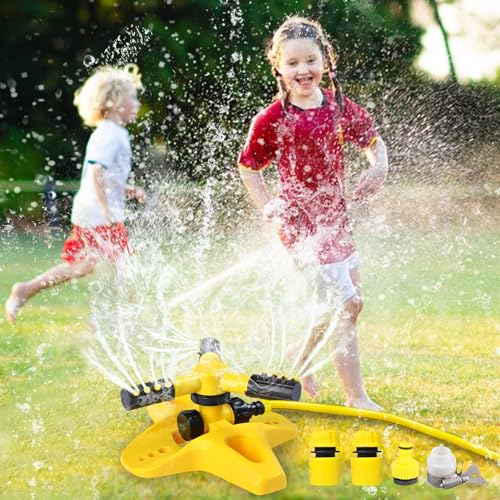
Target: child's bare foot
point(15, 302)
point(310, 385)
point(364, 404)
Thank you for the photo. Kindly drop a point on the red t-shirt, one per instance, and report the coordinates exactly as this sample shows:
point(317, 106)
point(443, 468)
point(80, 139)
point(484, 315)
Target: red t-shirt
point(307, 147)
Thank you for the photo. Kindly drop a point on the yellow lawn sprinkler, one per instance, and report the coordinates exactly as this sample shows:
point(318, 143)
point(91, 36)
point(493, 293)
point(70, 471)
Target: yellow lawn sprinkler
point(199, 426)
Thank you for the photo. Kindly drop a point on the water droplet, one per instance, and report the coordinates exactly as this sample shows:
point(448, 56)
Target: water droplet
point(89, 60)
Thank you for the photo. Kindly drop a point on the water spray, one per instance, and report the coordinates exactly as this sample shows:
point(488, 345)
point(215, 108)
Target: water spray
point(212, 282)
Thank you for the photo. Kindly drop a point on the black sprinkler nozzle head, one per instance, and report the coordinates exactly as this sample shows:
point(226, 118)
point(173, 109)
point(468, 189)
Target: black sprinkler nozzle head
point(152, 393)
point(209, 344)
point(273, 387)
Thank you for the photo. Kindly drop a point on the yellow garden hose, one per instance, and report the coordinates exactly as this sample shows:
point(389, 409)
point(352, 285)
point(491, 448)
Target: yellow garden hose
point(385, 417)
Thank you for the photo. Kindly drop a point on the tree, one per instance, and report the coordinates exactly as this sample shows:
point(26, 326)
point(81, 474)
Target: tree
point(444, 33)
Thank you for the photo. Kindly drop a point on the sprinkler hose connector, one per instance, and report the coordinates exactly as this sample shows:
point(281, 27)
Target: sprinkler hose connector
point(273, 387)
point(442, 470)
point(243, 412)
point(366, 459)
point(147, 394)
point(405, 468)
point(325, 464)
point(191, 425)
point(343, 411)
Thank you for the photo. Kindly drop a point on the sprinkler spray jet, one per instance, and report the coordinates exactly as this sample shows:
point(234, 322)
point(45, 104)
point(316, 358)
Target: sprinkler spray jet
point(212, 282)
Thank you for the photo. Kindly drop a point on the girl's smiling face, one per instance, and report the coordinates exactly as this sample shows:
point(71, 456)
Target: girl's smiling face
point(301, 65)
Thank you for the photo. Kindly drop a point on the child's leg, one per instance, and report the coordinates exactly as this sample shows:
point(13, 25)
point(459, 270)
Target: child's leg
point(23, 291)
point(346, 355)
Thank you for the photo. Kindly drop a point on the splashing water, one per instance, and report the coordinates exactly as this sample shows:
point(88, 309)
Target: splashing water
point(196, 274)
point(156, 304)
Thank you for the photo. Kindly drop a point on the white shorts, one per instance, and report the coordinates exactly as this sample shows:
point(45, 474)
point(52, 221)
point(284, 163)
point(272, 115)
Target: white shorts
point(334, 280)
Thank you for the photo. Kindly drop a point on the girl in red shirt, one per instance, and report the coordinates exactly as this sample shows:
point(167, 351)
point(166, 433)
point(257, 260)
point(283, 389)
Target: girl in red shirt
point(303, 133)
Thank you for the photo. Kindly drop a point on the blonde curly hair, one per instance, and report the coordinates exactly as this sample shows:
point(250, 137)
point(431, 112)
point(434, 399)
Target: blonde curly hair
point(104, 91)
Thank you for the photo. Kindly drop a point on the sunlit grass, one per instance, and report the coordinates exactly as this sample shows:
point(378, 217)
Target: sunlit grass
point(427, 336)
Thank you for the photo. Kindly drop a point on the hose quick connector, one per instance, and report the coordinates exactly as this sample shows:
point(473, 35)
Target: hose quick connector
point(148, 394)
point(243, 412)
point(273, 387)
point(325, 464)
point(442, 470)
point(405, 468)
point(366, 459)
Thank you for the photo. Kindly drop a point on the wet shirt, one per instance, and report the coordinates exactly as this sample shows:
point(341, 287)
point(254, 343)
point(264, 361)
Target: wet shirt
point(108, 146)
point(307, 147)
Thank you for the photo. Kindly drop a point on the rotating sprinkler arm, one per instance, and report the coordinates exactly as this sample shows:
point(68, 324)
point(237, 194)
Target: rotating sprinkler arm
point(158, 392)
point(210, 383)
point(387, 417)
point(256, 386)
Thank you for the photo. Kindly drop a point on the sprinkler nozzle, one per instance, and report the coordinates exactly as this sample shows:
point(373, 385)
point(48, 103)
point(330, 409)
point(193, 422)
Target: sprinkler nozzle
point(149, 394)
point(273, 387)
point(209, 344)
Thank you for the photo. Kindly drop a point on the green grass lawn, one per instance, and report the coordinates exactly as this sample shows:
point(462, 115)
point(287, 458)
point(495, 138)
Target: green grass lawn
point(427, 336)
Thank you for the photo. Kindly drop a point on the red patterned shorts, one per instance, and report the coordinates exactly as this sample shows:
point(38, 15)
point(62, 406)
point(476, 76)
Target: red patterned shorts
point(108, 242)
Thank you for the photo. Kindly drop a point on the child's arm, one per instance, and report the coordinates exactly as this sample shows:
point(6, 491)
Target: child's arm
point(135, 192)
point(372, 179)
point(254, 182)
point(100, 190)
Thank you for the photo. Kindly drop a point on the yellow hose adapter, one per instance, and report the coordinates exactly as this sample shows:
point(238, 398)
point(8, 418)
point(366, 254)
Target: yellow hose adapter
point(343, 411)
point(325, 464)
point(366, 459)
point(405, 468)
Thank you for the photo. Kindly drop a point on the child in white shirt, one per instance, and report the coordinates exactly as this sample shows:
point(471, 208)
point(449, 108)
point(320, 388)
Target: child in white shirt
point(107, 101)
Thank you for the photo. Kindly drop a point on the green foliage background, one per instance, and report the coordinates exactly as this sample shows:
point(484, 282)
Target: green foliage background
point(205, 74)
point(194, 56)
